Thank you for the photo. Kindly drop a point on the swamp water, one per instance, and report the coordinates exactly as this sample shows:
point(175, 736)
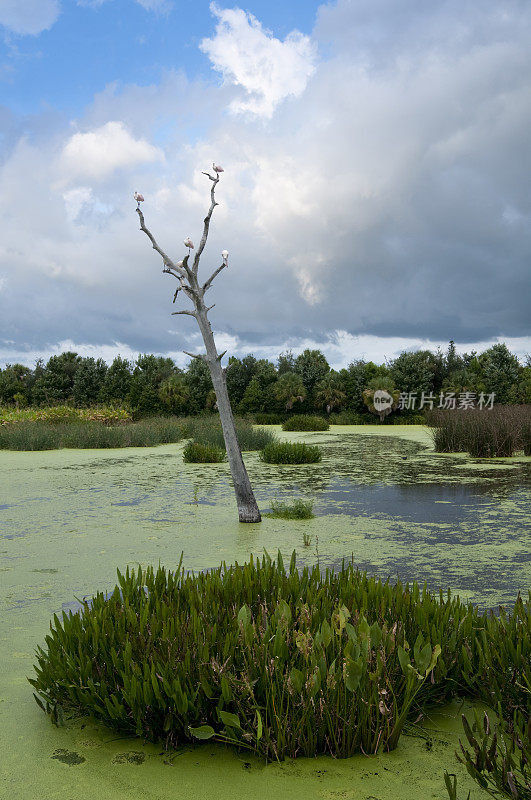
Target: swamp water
point(68, 518)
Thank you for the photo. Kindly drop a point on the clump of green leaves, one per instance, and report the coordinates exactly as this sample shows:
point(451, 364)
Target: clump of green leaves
point(305, 422)
point(197, 453)
point(291, 453)
point(284, 662)
point(298, 509)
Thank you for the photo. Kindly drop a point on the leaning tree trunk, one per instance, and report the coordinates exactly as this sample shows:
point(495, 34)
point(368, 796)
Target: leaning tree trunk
point(188, 282)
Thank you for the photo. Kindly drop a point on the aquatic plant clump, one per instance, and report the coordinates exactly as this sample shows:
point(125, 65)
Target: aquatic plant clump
point(298, 509)
point(197, 453)
point(291, 453)
point(54, 414)
point(284, 662)
point(305, 422)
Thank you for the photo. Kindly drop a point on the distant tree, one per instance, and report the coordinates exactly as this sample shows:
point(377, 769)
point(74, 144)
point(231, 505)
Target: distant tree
point(501, 371)
point(149, 372)
point(289, 389)
point(355, 380)
point(312, 366)
point(199, 382)
point(174, 392)
point(329, 392)
point(117, 382)
point(253, 399)
point(238, 375)
point(414, 372)
point(286, 362)
point(15, 384)
point(265, 373)
point(89, 381)
point(520, 392)
point(55, 384)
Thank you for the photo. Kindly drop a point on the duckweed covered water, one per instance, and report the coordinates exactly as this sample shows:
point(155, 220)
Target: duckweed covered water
point(69, 518)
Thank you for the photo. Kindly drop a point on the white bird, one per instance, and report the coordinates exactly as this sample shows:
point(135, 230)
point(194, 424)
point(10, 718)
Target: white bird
point(225, 256)
point(188, 243)
point(217, 168)
point(179, 263)
point(139, 198)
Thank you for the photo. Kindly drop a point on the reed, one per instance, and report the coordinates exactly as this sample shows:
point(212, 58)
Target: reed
point(499, 432)
point(207, 430)
point(198, 453)
point(298, 509)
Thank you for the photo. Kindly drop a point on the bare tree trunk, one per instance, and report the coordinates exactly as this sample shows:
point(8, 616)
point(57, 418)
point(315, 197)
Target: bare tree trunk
point(187, 276)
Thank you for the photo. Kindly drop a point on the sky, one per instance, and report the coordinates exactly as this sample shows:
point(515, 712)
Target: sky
point(375, 198)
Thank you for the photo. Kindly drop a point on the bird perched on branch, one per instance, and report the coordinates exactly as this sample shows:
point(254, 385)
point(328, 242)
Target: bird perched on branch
point(188, 243)
point(139, 198)
point(225, 256)
point(217, 168)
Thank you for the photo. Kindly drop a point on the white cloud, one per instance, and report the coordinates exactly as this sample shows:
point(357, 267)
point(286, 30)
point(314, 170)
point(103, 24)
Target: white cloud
point(28, 17)
point(247, 55)
point(97, 153)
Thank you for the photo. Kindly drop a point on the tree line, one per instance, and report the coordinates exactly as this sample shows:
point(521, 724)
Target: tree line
point(303, 384)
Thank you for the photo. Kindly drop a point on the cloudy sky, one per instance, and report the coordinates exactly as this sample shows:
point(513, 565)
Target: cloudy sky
point(376, 193)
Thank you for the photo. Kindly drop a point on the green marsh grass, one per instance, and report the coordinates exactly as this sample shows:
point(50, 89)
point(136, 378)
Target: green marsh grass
point(45, 436)
point(284, 662)
point(291, 453)
point(207, 430)
point(199, 453)
point(298, 509)
point(486, 433)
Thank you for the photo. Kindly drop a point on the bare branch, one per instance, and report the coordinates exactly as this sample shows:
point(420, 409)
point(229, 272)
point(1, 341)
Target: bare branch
point(208, 175)
point(209, 307)
point(221, 355)
point(195, 355)
point(216, 272)
point(168, 263)
point(213, 204)
point(189, 313)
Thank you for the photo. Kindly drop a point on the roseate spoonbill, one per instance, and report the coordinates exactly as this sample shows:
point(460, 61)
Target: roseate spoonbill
point(139, 198)
point(217, 168)
point(188, 243)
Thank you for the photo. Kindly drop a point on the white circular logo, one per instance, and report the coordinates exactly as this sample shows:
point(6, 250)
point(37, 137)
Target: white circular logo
point(382, 400)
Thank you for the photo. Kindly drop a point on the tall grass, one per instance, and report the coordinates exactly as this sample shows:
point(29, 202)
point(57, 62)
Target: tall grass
point(501, 431)
point(284, 662)
point(197, 453)
point(44, 436)
point(55, 414)
point(207, 430)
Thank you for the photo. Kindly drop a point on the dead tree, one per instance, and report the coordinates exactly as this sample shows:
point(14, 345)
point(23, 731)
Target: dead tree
point(189, 284)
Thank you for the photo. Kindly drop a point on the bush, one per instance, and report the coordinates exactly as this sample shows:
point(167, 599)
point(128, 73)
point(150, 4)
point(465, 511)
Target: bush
point(498, 432)
point(88, 435)
point(350, 418)
point(305, 422)
point(291, 453)
point(283, 662)
point(299, 509)
point(197, 453)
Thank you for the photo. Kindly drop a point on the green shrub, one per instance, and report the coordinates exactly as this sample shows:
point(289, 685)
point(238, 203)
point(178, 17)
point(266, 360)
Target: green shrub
point(284, 662)
point(291, 453)
point(198, 453)
point(350, 418)
point(305, 422)
point(298, 509)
